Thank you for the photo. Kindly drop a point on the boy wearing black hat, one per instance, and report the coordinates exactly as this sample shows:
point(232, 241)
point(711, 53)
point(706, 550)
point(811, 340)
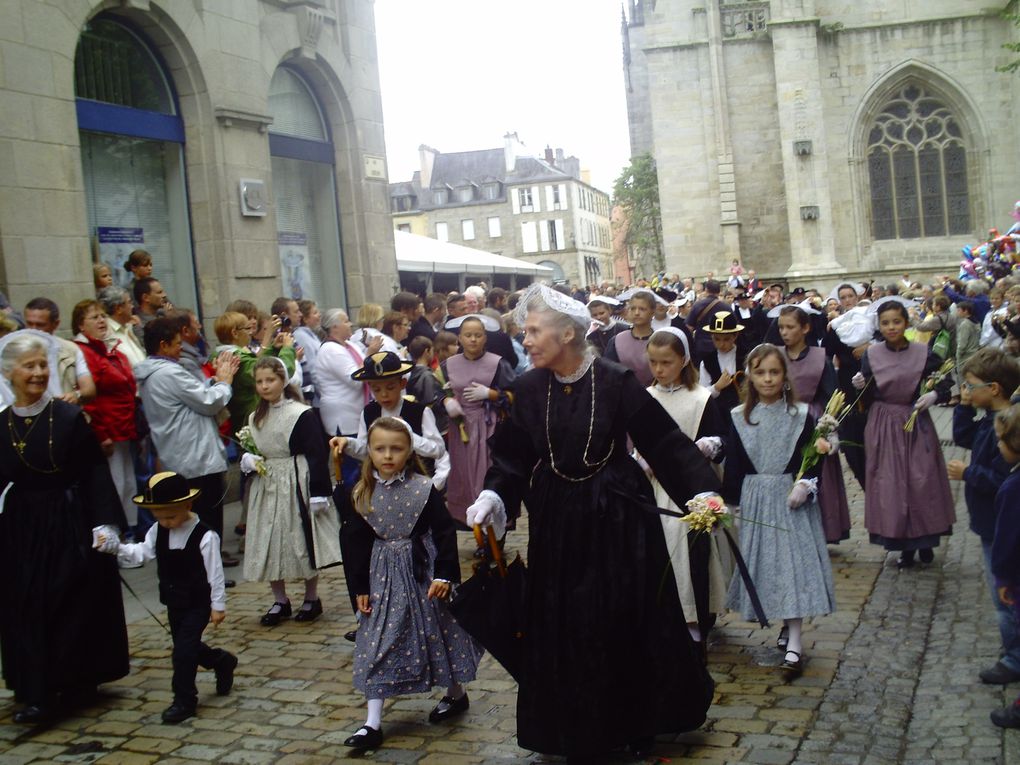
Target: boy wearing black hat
point(187, 554)
point(385, 373)
point(722, 371)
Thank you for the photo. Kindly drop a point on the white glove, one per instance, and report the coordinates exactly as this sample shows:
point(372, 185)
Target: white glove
point(799, 494)
point(833, 440)
point(106, 539)
point(859, 381)
point(709, 446)
point(453, 407)
point(476, 392)
point(250, 462)
point(642, 462)
point(927, 400)
point(318, 505)
point(487, 510)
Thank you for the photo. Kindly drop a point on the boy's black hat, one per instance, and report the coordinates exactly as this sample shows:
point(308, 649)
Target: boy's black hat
point(166, 490)
point(668, 295)
point(382, 366)
point(723, 323)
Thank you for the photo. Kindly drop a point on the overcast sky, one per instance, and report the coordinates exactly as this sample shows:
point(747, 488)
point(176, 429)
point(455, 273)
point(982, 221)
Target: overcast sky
point(459, 74)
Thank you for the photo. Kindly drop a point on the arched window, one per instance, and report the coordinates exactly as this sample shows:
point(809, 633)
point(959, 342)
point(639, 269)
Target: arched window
point(304, 192)
point(917, 168)
point(132, 151)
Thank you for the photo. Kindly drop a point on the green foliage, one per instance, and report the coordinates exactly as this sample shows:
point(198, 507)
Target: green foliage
point(1013, 17)
point(637, 192)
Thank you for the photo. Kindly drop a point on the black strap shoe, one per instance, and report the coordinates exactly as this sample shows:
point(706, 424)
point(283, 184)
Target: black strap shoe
point(276, 614)
point(351, 636)
point(792, 668)
point(449, 708)
point(176, 713)
point(365, 738)
point(309, 614)
point(225, 674)
point(33, 714)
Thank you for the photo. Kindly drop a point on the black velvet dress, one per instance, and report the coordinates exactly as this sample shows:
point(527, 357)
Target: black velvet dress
point(607, 656)
point(62, 621)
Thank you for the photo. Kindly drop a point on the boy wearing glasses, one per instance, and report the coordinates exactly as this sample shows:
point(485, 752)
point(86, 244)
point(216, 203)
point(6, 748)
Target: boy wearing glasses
point(987, 380)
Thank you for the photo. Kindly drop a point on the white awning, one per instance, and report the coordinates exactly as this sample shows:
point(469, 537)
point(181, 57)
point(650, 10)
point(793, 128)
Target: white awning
point(422, 254)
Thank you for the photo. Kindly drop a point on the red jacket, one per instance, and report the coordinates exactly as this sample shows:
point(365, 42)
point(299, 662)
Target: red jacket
point(113, 409)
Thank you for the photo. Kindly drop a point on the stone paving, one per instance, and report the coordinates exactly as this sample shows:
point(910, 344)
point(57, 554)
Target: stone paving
point(890, 678)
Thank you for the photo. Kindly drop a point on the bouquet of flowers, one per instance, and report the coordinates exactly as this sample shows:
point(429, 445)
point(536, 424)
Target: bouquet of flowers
point(447, 389)
point(246, 441)
point(928, 386)
point(819, 445)
point(707, 511)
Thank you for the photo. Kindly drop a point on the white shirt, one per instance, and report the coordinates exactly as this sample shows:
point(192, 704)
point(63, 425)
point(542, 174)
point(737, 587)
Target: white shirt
point(989, 337)
point(129, 344)
point(341, 399)
point(139, 552)
point(429, 444)
point(727, 363)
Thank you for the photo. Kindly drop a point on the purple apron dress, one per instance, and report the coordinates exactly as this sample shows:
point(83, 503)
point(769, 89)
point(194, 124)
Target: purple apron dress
point(907, 501)
point(631, 352)
point(806, 374)
point(469, 462)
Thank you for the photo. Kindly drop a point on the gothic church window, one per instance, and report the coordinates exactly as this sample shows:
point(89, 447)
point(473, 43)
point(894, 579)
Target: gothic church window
point(917, 168)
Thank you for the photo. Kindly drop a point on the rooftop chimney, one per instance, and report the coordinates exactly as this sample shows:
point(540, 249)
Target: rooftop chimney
point(427, 159)
point(512, 148)
point(549, 155)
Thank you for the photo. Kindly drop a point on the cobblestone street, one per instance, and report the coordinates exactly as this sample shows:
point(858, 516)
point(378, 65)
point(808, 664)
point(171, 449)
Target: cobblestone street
point(891, 678)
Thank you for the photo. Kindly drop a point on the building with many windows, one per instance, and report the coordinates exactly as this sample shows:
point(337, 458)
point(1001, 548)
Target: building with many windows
point(241, 144)
point(508, 202)
point(820, 138)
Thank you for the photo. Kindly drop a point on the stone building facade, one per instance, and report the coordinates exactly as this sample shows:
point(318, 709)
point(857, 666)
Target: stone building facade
point(508, 202)
point(240, 143)
point(817, 139)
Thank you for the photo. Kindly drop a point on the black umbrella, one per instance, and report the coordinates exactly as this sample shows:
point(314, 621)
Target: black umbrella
point(490, 606)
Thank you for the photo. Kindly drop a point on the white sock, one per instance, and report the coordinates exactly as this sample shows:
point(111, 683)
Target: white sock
point(279, 590)
point(793, 627)
point(374, 718)
point(311, 591)
point(692, 627)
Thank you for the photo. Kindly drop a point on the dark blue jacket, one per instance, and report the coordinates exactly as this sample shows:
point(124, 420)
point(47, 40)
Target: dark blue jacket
point(986, 471)
point(982, 303)
point(1006, 547)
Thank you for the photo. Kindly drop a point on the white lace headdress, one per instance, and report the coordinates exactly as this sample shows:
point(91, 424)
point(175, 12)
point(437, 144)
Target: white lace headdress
point(538, 297)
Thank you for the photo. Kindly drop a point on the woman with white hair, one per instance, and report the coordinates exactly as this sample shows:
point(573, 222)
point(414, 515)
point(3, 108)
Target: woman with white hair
point(62, 628)
point(607, 658)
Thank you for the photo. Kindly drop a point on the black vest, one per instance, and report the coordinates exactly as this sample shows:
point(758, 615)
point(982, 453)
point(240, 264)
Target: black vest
point(411, 412)
point(729, 397)
point(183, 581)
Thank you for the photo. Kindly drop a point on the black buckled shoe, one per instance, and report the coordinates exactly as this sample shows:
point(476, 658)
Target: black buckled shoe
point(926, 555)
point(792, 668)
point(906, 559)
point(449, 708)
point(176, 713)
point(365, 738)
point(351, 636)
point(33, 714)
point(1008, 717)
point(999, 674)
point(225, 674)
point(276, 614)
point(309, 614)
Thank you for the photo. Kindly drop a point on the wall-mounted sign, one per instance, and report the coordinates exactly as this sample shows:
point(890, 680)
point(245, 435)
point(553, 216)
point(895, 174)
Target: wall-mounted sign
point(375, 167)
point(253, 197)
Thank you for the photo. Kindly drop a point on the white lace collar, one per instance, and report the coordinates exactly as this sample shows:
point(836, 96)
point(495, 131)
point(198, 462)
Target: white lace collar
point(401, 476)
point(33, 409)
point(581, 371)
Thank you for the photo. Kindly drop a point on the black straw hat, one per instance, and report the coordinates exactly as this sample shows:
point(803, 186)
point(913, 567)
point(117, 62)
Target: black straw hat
point(381, 366)
point(165, 490)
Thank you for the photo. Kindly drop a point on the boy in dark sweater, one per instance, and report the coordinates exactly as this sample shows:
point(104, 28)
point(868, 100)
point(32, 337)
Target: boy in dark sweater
point(986, 382)
point(187, 554)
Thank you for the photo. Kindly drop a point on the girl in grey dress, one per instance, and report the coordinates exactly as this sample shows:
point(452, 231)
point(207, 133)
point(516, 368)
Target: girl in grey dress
point(401, 554)
point(781, 535)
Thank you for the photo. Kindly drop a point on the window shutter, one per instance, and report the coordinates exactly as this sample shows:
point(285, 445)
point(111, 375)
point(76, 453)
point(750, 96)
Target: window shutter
point(561, 243)
point(536, 198)
point(543, 232)
point(515, 200)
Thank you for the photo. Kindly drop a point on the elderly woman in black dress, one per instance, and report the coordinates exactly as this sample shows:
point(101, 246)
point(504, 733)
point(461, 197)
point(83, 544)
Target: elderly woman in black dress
point(608, 661)
point(62, 628)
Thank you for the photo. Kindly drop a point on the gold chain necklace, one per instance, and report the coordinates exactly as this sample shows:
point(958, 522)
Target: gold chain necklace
point(20, 442)
point(591, 428)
